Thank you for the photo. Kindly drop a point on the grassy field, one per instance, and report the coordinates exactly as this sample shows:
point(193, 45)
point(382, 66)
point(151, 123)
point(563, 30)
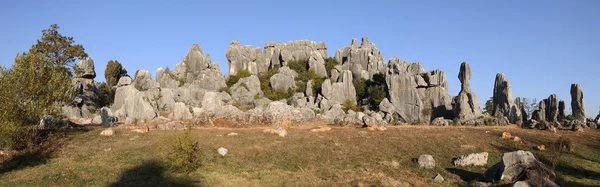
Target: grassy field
point(340, 157)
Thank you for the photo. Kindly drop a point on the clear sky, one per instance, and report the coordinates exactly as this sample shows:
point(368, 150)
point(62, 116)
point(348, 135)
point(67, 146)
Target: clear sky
point(542, 46)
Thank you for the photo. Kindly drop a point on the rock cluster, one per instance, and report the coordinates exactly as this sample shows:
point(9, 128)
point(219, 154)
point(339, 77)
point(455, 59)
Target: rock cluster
point(196, 89)
point(256, 60)
point(363, 61)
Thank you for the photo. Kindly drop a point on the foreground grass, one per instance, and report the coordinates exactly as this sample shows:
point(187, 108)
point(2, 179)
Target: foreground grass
point(340, 157)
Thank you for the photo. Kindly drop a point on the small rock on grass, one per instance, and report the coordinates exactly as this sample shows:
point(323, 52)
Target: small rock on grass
point(321, 129)
point(232, 134)
point(279, 131)
point(222, 151)
point(426, 161)
point(107, 132)
point(438, 178)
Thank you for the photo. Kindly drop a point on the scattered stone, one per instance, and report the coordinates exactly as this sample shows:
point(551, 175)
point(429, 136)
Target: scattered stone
point(426, 161)
point(222, 151)
point(540, 147)
point(232, 134)
point(520, 184)
point(474, 159)
point(141, 130)
point(440, 121)
point(320, 129)
point(438, 178)
point(107, 132)
point(392, 163)
point(517, 140)
point(278, 131)
point(506, 135)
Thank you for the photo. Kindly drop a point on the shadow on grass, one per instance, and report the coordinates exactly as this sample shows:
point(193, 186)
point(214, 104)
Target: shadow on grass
point(46, 142)
point(151, 173)
point(465, 175)
point(577, 172)
point(24, 160)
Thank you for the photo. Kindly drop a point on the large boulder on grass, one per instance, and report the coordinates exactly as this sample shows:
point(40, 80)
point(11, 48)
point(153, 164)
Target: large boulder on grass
point(520, 166)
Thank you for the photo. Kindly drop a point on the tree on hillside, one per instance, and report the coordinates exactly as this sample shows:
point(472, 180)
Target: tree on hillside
point(34, 85)
point(114, 70)
point(489, 106)
point(529, 105)
point(59, 49)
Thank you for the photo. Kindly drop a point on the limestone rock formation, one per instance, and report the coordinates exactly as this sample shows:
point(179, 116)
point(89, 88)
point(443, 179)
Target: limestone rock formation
point(340, 91)
point(466, 104)
point(403, 94)
point(130, 105)
point(552, 108)
point(317, 63)
point(86, 69)
point(519, 166)
point(364, 60)
point(502, 99)
point(246, 57)
point(577, 102)
point(143, 80)
point(246, 89)
point(278, 54)
point(197, 69)
point(561, 111)
point(285, 79)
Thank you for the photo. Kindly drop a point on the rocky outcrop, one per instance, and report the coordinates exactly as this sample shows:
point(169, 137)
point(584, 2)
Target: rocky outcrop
point(247, 58)
point(143, 80)
point(317, 64)
point(85, 69)
point(466, 106)
point(167, 79)
point(285, 79)
point(552, 108)
point(197, 69)
point(520, 166)
point(363, 61)
point(246, 89)
point(403, 94)
point(561, 111)
point(340, 91)
point(277, 111)
point(502, 99)
point(280, 53)
point(577, 103)
point(129, 105)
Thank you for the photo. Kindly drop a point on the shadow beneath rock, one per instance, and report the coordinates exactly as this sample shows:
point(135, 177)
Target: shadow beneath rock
point(465, 175)
point(151, 173)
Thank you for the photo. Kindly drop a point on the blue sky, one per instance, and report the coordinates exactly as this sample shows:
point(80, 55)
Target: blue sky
point(541, 46)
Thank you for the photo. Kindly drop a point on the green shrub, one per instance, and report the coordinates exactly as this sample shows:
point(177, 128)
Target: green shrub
point(351, 105)
point(300, 66)
point(316, 85)
point(107, 95)
point(236, 104)
point(183, 155)
point(360, 85)
point(279, 94)
point(330, 63)
point(225, 89)
point(234, 78)
point(456, 122)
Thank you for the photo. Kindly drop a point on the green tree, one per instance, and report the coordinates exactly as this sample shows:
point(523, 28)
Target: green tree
point(114, 70)
point(35, 85)
point(330, 63)
point(489, 106)
point(360, 86)
point(58, 49)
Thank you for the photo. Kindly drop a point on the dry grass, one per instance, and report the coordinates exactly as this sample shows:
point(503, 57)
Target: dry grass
point(339, 157)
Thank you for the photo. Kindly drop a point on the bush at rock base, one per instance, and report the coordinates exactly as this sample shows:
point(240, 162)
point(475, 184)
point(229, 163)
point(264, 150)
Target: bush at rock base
point(234, 78)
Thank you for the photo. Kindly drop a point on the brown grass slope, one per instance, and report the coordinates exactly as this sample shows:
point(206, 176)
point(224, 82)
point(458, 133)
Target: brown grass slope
point(340, 157)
